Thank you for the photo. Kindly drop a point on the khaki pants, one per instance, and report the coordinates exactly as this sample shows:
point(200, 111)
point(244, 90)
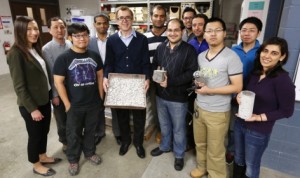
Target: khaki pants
point(210, 130)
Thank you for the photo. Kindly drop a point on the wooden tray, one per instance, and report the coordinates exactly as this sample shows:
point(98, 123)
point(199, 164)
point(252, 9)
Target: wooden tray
point(126, 91)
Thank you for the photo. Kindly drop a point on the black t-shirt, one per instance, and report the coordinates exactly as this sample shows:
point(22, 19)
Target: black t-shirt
point(80, 72)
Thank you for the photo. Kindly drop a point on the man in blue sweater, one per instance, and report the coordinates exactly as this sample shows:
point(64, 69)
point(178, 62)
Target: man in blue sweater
point(250, 29)
point(127, 52)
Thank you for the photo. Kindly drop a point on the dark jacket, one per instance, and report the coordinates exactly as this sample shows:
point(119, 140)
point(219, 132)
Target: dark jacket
point(29, 80)
point(133, 59)
point(180, 64)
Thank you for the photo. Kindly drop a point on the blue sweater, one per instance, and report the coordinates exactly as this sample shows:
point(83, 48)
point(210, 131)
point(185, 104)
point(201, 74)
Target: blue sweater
point(246, 58)
point(200, 47)
point(133, 59)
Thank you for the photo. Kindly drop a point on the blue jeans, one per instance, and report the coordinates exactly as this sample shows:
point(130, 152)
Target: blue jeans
point(171, 116)
point(249, 148)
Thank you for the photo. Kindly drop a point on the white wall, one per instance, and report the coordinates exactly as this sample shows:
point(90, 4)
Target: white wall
point(90, 7)
point(4, 11)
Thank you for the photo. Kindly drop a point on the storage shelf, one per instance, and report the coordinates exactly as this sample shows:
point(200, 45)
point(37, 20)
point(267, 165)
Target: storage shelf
point(208, 4)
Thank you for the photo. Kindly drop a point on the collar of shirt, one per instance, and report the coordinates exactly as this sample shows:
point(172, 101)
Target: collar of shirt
point(58, 44)
point(133, 33)
point(102, 40)
point(175, 47)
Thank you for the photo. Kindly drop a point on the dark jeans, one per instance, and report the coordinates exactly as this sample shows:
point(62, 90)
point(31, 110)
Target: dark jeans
point(249, 148)
point(139, 119)
point(81, 127)
point(100, 129)
point(61, 119)
point(37, 132)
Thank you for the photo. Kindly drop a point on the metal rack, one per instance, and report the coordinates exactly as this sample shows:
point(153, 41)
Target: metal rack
point(149, 3)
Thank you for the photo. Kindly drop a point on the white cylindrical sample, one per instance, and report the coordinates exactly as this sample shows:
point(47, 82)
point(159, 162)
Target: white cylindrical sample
point(246, 105)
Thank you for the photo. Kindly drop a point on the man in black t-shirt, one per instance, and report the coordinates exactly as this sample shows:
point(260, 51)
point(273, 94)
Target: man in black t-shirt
point(78, 76)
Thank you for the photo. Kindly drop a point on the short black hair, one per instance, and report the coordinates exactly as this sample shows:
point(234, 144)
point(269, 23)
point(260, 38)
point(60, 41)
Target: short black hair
point(216, 19)
point(178, 21)
point(203, 16)
point(55, 19)
point(254, 20)
point(159, 7)
point(188, 9)
point(106, 17)
point(77, 28)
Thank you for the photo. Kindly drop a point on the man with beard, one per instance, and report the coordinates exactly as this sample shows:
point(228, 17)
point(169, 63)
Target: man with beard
point(198, 42)
point(187, 17)
point(155, 36)
point(179, 59)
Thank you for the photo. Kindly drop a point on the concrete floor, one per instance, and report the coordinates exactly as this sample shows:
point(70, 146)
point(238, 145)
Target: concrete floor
point(13, 156)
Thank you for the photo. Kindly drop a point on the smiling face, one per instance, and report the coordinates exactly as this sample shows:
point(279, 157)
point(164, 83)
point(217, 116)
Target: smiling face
point(270, 56)
point(187, 19)
point(33, 33)
point(197, 26)
point(57, 29)
point(174, 32)
point(158, 18)
point(125, 20)
point(101, 25)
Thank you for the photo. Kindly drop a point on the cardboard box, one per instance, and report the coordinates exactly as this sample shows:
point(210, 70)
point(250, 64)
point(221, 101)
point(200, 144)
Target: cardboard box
point(174, 12)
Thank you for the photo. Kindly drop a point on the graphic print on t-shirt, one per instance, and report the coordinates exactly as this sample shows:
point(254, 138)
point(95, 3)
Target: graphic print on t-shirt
point(83, 72)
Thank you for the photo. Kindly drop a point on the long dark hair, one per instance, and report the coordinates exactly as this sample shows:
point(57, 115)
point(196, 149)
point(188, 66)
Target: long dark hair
point(283, 46)
point(20, 32)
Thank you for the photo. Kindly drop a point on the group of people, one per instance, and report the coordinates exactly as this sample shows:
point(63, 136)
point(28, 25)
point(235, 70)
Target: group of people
point(73, 75)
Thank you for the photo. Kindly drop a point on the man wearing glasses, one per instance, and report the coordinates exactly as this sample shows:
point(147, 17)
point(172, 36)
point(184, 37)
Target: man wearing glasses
point(78, 77)
point(250, 29)
point(221, 73)
point(187, 17)
point(127, 52)
point(179, 59)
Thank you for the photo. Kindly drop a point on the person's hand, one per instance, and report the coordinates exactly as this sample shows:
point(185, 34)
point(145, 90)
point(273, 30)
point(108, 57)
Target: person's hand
point(37, 115)
point(204, 90)
point(55, 101)
point(253, 118)
point(147, 85)
point(105, 84)
point(164, 83)
point(238, 98)
point(68, 106)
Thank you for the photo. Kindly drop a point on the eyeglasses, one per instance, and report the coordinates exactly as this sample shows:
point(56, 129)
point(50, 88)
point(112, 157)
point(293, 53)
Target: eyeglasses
point(127, 18)
point(210, 31)
point(177, 30)
point(188, 18)
point(248, 30)
point(78, 36)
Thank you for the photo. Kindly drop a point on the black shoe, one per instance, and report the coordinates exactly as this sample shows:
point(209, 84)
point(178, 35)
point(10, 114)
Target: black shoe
point(123, 149)
point(118, 139)
point(140, 151)
point(178, 164)
point(50, 172)
point(157, 152)
point(55, 160)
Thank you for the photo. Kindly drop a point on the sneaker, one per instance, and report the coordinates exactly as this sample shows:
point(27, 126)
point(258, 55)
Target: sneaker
point(73, 169)
point(229, 158)
point(95, 159)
